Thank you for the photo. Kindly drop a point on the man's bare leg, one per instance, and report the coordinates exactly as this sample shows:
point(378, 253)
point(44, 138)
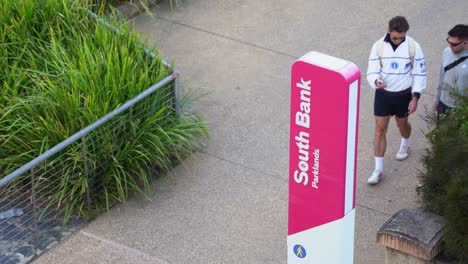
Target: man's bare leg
point(380, 144)
point(380, 136)
point(405, 130)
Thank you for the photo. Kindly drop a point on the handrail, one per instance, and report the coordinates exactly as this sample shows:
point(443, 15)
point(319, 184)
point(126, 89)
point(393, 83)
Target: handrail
point(83, 132)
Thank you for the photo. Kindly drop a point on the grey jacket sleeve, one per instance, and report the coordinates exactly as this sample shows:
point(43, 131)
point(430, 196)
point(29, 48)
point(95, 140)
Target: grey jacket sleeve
point(441, 82)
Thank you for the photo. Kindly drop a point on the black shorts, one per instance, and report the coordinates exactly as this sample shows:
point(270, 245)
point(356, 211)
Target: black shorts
point(392, 103)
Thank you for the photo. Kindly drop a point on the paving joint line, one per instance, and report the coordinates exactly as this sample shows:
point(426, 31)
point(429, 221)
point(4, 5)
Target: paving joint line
point(244, 166)
point(122, 247)
point(226, 37)
point(372, 209)
point(276, 176)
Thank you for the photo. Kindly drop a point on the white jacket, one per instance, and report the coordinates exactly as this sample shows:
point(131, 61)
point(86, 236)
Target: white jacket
point(396, 71)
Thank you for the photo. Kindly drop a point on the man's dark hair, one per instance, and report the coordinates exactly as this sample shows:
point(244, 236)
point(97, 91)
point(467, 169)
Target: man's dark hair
point(398, 24)
point(459, 31)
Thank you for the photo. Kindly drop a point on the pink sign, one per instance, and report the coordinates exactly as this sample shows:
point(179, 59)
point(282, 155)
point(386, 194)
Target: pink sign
point(322, 156)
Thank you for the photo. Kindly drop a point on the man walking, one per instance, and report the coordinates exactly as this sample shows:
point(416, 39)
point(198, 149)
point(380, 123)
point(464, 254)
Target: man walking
point(453, 78)
point(397, 72)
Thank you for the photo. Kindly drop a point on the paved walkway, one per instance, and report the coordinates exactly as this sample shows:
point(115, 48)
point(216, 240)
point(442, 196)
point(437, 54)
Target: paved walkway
point(228, 204)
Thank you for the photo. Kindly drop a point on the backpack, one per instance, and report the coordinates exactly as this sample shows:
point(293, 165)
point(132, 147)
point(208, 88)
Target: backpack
point(412, 50)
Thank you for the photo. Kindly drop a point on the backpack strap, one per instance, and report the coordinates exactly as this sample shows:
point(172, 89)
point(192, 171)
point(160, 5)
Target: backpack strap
point(455, 63)
point(411, 49)
point(380, 47)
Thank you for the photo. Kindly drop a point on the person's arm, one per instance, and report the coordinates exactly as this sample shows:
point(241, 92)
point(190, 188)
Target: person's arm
point(419, 78)
point(462, 78)
point(418, 72)
point(439, 87)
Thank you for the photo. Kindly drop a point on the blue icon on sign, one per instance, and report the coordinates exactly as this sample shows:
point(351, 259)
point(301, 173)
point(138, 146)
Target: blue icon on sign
point(299, 251)
point(394, 65)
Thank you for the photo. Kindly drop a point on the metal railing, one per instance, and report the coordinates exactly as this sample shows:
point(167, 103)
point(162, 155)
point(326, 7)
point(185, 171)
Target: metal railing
point(27, 216)
point(32, 213)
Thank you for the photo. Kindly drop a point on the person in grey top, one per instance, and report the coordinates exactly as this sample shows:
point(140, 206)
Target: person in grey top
point(453, 77)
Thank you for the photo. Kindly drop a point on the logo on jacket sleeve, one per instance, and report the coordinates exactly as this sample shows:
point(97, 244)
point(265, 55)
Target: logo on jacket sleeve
point(422, 65)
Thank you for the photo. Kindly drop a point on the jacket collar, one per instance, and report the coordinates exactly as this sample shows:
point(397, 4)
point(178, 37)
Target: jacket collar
point(388, 40)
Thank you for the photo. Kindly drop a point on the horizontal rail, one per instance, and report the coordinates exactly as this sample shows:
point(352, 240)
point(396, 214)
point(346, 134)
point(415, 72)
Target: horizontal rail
point(83, 132)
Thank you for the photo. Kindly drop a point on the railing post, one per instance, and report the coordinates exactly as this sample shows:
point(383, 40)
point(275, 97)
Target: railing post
point(33, 197)
point(177, 93)
point(86, 171)
point(130, 113)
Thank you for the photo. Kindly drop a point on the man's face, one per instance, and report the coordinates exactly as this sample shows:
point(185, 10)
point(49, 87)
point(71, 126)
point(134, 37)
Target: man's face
point(397, 37)
point(456, 45)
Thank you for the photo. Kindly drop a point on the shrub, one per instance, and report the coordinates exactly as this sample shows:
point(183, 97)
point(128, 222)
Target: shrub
point(445, 179)
point(60, 71)
point(97, 4)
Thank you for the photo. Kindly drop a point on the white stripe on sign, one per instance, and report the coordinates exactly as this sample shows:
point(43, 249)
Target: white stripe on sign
point(351, 146)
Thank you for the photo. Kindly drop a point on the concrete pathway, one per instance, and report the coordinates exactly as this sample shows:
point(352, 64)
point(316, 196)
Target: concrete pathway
point(228, 204)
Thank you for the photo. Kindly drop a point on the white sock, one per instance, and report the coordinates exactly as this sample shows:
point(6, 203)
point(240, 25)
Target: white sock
point(404, 142)
point(379, 163)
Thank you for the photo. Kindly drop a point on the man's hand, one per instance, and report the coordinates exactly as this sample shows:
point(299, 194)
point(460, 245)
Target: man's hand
point(380, 84)
point(436, 106)
point(413, 105)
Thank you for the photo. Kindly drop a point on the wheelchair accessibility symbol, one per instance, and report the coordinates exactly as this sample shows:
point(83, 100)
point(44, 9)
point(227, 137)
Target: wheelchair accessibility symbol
point(299, 251)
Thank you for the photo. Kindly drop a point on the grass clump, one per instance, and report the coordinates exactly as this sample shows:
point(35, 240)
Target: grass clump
point(60, 71)
point(445, 178)
point(144, 4)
